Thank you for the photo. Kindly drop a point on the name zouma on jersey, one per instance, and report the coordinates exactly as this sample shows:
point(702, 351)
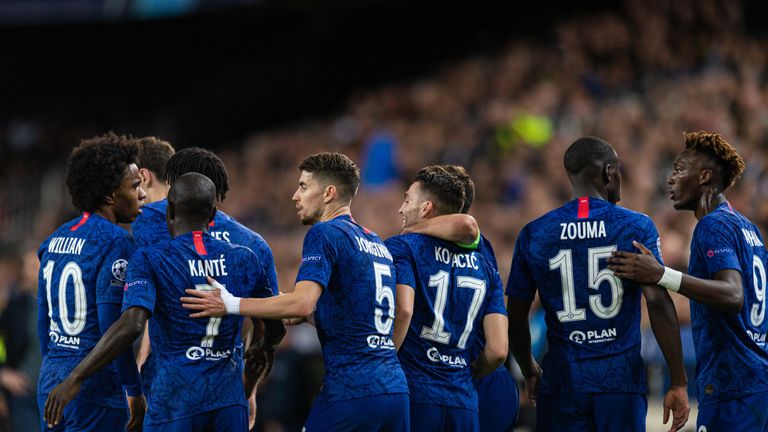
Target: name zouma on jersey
point(592, 317)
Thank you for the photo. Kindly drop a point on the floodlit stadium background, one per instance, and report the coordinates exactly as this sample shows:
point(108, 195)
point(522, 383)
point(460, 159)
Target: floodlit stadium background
point(394, 85)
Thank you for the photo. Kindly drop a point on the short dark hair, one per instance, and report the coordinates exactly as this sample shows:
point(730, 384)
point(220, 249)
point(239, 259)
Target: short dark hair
point(199, 160)
point(585, 152)
point(96, 167)
point(469, 185)
point(445, 189)
point(193, 197)
point(336, 169)
point(154, 154)
point(720, 151)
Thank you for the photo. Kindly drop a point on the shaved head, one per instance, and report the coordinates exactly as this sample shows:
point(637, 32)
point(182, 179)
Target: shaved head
point(588, 152)
point(192, 198)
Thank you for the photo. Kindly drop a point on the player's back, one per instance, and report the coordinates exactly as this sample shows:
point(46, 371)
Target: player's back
point(355, 313)
point(196, 365)
point(454, 289)
point(731, 353)
point(593, 317)
point(82, 265)
point(150, 228)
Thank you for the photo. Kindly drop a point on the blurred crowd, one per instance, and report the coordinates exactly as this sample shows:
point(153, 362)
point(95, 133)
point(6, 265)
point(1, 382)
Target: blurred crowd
point(637, 78)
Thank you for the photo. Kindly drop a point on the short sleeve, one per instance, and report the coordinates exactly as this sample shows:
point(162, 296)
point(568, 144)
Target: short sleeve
point(140, 287)
point(258, 278)
point(652, 241)
point(112, 273)
point(521, 285)
point(402, 260)
point(317, 257)
point(716, 245)
point(495, 293)
point(487, 250)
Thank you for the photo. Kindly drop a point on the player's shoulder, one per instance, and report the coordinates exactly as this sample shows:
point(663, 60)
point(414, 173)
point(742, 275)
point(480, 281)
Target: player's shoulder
point(232, 224)
point(151, 213)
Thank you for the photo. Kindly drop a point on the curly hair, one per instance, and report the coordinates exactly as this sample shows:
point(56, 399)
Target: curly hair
point(469, 185)
point(446, 190)
point(202, 161)
point(722, 153)
point(334, 168)
point(96, 167)
point(154, 154)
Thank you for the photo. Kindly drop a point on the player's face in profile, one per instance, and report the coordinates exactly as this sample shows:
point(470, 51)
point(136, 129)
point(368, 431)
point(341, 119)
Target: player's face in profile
point(683, 181)
point(411, 206)
point(613, 188)
point(309, 199)
point(129, 196)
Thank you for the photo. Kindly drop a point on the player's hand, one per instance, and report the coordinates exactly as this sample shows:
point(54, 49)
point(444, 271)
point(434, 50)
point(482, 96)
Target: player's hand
point(251, 411)
point(16, 382)
point(641, 268)
point(294, 321)
point(205, 303)
point(137, 407)
point(676, 400)
point(532, 383)
point(258, 362)
point(58, 399)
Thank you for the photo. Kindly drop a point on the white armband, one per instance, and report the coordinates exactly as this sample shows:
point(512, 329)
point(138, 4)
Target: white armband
point(231, 303)
point(671, 279)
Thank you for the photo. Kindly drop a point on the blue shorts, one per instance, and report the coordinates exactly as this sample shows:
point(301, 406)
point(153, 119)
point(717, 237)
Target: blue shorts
point(748, 414)
point(385, 413)
point(499, 401)
point(80, 416)
point(599, 412)
point(439, 418)
point(232, 418)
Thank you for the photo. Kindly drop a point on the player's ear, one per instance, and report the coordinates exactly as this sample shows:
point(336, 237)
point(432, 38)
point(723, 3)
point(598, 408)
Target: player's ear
point(426, 208)
point(705, 176)
point(146, 177)
point(110, 199)
point(330, 193)
point(609, 173)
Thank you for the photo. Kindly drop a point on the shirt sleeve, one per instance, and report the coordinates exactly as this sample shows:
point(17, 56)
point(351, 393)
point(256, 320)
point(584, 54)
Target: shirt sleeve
point(652, 241)
point(716, 245)
point(495, 296)
point(402, 261)
point(317, 258)
point(111, 278)
point(139, 287)
point(521, 285)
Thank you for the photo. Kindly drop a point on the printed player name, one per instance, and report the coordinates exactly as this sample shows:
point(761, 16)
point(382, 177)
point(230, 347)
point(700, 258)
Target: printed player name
point(582, 230)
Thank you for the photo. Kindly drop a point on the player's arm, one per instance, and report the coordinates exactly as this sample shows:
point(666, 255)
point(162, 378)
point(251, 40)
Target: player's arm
point(724, 291)
point(299, 303)
point(43, 324)
point(520, 344)
point(403, 313)
point(459, 228)
point(114, 342)
point(496, 345)
point(666, 329)
point(259, 357)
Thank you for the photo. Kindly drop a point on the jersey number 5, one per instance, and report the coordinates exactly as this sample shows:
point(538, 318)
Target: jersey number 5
point(564, 261)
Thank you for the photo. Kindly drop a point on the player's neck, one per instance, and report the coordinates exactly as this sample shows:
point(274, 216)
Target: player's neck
point(334, 211)
point(709, 201)
point(157, 192)
point(107, 213)
point(183, 227)
point(588, 191)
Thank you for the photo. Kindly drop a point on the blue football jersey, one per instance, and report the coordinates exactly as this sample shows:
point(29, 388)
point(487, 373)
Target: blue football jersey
point(195, 361)
point(455, 288)
point(151, 228)
point(593, 317)
point(485, 249)
point(82, 265)
point(355, 313)
point(731, 355)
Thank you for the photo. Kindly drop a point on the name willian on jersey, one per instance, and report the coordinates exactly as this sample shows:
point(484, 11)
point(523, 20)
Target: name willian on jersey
point(66, 245)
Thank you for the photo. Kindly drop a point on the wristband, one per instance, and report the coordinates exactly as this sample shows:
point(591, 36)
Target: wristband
point(671, 279)
point(231, 303)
